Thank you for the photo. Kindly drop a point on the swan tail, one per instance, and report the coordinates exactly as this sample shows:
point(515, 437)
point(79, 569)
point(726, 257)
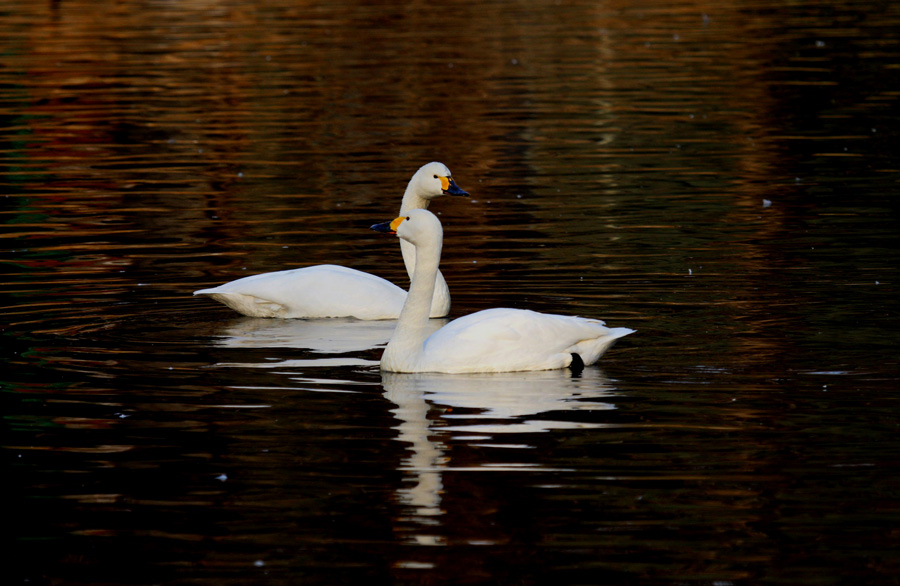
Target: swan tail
point(617, 333)
point(245, 304)
point(591, 350)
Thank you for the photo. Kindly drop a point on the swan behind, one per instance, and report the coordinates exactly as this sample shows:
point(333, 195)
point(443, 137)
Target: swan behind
point(336, 291)
point(493, 340)
point(316, 291)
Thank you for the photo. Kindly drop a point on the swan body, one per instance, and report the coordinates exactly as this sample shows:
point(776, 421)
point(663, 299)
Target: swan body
point(323, 291)
point(493, 340)
point(316, 291)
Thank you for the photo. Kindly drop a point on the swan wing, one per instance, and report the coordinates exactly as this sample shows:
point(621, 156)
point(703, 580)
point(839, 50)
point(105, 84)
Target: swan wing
point(310, 292)
point(503, 339)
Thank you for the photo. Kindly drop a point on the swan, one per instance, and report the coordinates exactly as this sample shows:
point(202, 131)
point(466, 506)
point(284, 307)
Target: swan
point(493, 340)
point(337, 291)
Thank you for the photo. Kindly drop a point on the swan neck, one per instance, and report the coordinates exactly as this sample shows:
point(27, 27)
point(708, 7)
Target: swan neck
point(409, 256)
point(412, 325)
point(421, 289)
point(412, 200)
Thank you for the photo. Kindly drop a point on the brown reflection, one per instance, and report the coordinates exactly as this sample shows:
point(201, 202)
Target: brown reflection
point(223, 132)
point(215, 117)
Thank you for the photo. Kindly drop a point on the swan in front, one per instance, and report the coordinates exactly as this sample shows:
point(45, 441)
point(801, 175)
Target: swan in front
point(493, 340)
point(337, 291)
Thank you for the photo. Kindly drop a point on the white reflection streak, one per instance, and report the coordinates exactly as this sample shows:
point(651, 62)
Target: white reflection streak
point(509, 400)
point(423, 465)
point(332, 337)
point(324, 336)
point(320, 362)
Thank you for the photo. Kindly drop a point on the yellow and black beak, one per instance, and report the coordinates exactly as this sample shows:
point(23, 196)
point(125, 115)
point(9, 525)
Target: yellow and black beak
point(389, 227)
point(449, 187)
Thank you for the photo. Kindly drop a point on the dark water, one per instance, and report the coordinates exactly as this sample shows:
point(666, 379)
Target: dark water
point(722, 177)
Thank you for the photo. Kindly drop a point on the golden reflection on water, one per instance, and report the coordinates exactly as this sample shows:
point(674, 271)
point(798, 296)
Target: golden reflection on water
point(619, 155)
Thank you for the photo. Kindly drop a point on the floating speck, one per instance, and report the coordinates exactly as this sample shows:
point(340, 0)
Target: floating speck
point(767, 203)
point(222, 477)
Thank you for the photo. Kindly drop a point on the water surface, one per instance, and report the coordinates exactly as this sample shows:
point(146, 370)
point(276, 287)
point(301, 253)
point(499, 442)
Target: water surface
point(722, 178)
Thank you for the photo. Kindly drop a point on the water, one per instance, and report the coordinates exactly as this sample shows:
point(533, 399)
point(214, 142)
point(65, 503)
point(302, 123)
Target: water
point(722, 178)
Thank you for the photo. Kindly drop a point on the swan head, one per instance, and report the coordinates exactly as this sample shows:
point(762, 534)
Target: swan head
point(418, 227)
point(434, 180)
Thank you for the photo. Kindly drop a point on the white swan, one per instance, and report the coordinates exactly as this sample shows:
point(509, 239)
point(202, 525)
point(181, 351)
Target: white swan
point(336, 291)
point(493, 340)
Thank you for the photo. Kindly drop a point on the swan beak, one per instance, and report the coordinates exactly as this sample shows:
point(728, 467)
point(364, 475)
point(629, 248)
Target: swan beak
point(388, 227)
point(449, 187)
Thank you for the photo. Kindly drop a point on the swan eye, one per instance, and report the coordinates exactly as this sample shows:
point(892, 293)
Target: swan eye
point(407, 217)
point(435, 176)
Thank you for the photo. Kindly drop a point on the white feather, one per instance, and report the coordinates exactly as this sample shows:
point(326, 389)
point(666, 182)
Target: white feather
point(494, 340)
point(316, 291)
point(335, 291)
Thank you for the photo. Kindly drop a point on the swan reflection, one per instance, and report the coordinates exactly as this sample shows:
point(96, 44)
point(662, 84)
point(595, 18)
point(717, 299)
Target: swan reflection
point(325, 336)
point(474, 408)
point(334, 338)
